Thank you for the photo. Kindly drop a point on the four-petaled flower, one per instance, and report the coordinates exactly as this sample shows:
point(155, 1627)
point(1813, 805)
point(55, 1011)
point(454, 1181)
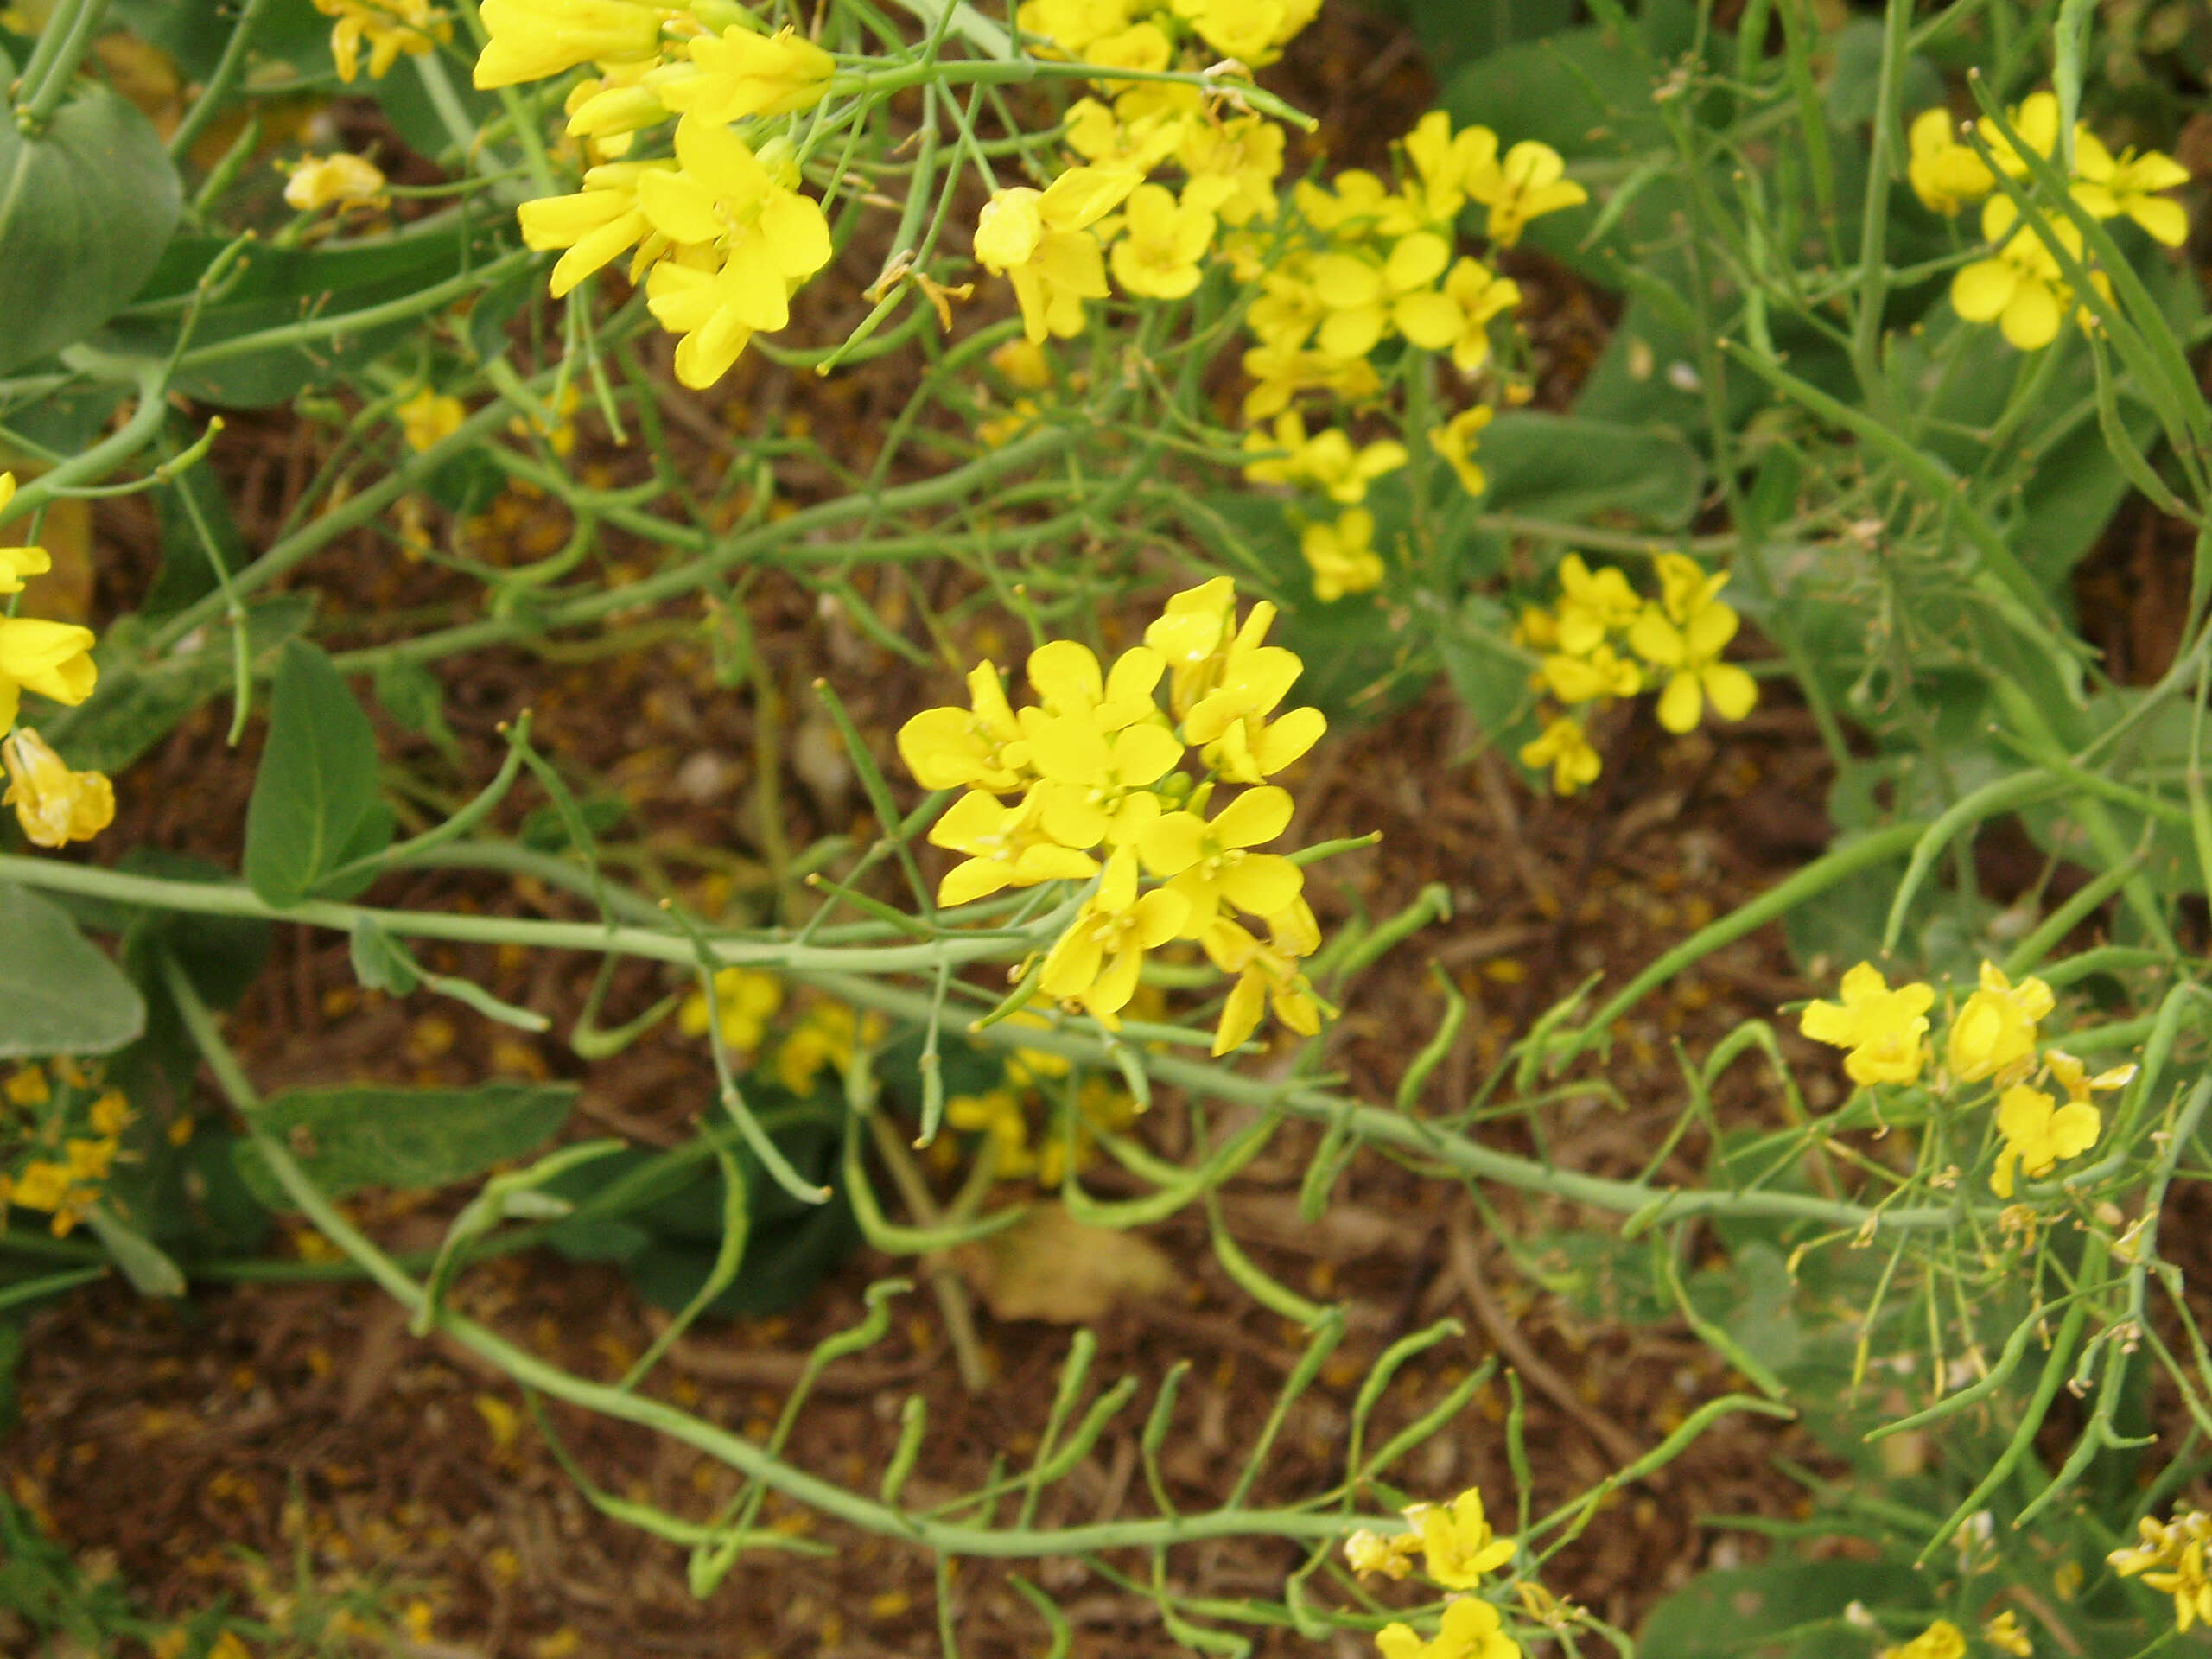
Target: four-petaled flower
point(1096, 962)
point(1994, 1034)
point(1884, 1030)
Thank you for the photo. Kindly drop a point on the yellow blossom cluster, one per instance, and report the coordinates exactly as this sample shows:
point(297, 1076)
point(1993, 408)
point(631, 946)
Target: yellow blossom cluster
point(1602, 641)
point(60, 1134)
point(390, 30)
point(53, 805)
point(1993, 1038)
point(1457, 1549)
point(720, 234)
point(1000, 1117)
point(1356, 266)
point(1218, 161)
point(1087, 785)
point(2021, 286)
point(824, 1037)
point(2169, 1557)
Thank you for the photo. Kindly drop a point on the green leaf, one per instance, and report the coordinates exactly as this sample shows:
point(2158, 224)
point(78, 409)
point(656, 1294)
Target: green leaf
point(1567, 467)
point(1794, 1610)
point(59, 992)
point(84, 211)
point(371, 1136)
point(141, 1261)
point(270, 288)
point(314, 803)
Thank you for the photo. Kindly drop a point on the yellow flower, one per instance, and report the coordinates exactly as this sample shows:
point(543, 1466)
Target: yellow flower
point(1475, 294)
point(1457, 1547)
point(765, 240)
point(42, 1186)
point(1096, 962)
point(739, 73)
point(389, 27)
point(1365, 298)
point(1349, 208)
point(826, 1036)
point(1041, 241)
point(1099, 783)
point(111, 1114)
point(1470, 1629)
point(1072, 25)
point(997, 1115)
point(1288, 311)
point(534, 39)
point(2020, 287)
point(1325, 460)
point(1066, 678)
point(1883, 1029)
point(1565, 748)
point(981, 745)
point(54, 806)
point(1994, 1034)
point(1232, 716)
point(1946, 176)
point(1254, 32)
point(1209, 863)
point(1368, 1552)
point(2128, 185)
point(1193, 634)
point(2035, 120)
point(594, 225)
point(1266, 973)
point(53, 659)
point(1941, 1640)
point(323, 180)
point(1528, 183)
point(608, 108)
point(1687, 643)
point(1454, 442)
point(429, 418)
point(1007, 847)
point(744, 998)
point(1601, 672)
point(1440, 163)
point(1233, 165)
point(1593, 604)
point(2003, 1633)
point(1342, 556)
point(1161, 242)
point(2038, 1133)
point(2169, 1558)
point(1283, 373)
point(17, 562)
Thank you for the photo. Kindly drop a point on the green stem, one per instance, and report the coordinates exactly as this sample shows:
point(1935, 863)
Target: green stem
point(68, 35)
point(228, 68)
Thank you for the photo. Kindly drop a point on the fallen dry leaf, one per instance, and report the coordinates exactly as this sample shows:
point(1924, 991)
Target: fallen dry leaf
point(1049, 1265)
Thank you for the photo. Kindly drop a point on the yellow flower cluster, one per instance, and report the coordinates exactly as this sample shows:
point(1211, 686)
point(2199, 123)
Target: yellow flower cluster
point(2021, 287)
point(1992, 1039)
point(2169, 1557)
point(1105, 211)
point(1093, 770)
point(1603, 640)
point(1457, 1547)
point(390, 29)
point(53, 659)
point(720, 234)
point(825, 1036)
point(73, 1129)
point(1356, 265)
point(1000, 1115)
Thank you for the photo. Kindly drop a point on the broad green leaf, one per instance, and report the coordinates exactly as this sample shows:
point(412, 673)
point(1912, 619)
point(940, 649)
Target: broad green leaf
point(59, 992)
point(85, 210)
point(371, 1135)
point(314, 803)
point(1563, 467)
point(1791, 1610)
